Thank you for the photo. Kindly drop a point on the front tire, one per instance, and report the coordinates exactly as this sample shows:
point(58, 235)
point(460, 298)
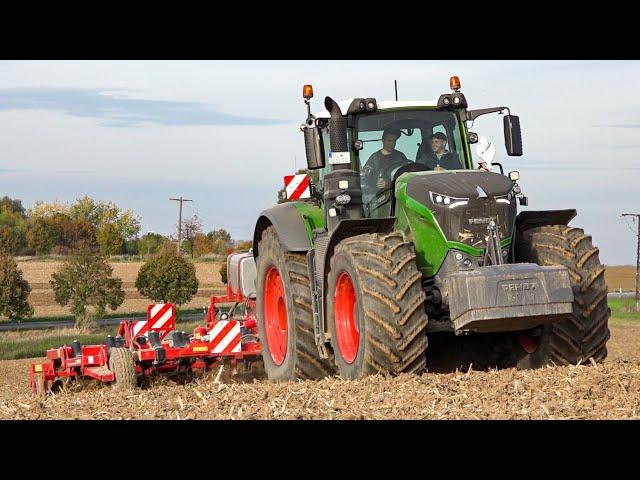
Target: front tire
point(584, 336)
point(284, 314)
point(375, 307)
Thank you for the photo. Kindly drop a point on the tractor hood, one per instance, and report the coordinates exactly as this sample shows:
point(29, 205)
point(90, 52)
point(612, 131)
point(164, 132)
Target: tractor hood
point(465, 184)
point(463, 203)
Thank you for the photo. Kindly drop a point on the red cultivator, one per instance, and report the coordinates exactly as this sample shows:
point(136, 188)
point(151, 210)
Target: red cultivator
point(154, 345)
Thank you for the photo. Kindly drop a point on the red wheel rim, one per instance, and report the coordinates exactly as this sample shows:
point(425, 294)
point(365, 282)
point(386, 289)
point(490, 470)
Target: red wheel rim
point(528, 342)
point(275, 316)
point(347, 333)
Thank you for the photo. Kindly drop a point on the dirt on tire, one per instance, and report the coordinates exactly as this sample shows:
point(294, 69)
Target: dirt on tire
point(301, 359)
point(584, 336)
point(122, 365)
point(389, 307)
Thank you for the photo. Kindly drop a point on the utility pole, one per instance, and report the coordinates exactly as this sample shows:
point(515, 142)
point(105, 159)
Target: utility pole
point(181, 200)
point(637, 217)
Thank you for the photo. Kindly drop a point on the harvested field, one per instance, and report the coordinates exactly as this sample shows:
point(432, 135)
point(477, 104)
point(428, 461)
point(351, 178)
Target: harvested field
point(607, 391)
point(620, 277)
point(38, 274)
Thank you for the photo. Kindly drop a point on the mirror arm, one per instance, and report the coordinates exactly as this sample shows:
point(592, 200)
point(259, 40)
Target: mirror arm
point(473, 114)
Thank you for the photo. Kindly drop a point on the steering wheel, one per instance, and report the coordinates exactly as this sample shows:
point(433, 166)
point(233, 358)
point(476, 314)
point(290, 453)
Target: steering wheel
point(389, 171)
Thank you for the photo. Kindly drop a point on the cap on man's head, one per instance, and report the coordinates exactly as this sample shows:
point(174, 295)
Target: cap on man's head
point(439, 136)
point(391, 131)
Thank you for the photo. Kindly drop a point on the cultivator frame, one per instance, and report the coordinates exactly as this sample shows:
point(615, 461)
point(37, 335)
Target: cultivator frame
point(159, 347)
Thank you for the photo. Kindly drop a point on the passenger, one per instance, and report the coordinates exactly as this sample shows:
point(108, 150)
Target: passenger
point(386, 156)
point(438, 157)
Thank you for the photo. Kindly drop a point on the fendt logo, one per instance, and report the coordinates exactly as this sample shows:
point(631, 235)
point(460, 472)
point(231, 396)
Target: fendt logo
point(519, 287)
point(519, 293)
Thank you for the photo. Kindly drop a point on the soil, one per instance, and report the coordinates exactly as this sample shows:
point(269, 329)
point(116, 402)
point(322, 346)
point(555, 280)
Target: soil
point(610, 390)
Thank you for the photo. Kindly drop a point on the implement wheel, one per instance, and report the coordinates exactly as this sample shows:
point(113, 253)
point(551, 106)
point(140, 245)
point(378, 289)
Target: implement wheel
point(375, 306)
point(584, 336)
point(124, 368)
point(284, 314)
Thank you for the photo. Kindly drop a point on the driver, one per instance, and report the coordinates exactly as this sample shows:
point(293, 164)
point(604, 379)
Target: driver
point(438, 157)
point(383, 157)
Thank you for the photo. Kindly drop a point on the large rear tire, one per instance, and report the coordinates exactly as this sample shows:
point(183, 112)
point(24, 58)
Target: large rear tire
point(124, 368)
point(284, 314)
point(584, 336)
point(375, 306)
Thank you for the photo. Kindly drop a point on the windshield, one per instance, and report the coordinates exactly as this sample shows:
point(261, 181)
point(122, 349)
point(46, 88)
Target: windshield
point(409, 140)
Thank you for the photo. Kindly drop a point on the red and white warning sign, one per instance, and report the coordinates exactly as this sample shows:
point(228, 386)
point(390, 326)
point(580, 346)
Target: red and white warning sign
point(161, 317)
point(297, 186)
point(225, 337)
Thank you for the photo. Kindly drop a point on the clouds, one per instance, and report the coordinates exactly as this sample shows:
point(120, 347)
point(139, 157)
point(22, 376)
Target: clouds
point(225, 132)
point(121, 111)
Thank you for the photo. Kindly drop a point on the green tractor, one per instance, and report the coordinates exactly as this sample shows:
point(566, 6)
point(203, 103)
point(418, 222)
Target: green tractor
point(403, 238)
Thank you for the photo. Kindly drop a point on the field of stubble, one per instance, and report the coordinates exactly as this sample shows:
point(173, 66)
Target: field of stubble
point(606, 391)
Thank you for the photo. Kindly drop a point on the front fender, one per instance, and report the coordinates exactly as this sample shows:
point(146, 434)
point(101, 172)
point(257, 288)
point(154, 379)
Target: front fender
point(540, 218)
point(294, 223)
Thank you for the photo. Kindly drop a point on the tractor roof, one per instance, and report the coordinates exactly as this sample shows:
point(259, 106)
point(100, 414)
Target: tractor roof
point(384, 105)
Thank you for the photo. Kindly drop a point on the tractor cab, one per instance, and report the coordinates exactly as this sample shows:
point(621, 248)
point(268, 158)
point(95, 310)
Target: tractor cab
point(386, 139)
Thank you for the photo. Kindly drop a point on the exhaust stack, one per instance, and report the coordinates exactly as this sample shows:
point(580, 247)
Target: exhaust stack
point(342, 193)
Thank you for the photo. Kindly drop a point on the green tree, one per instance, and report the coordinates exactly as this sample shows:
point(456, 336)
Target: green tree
point(221, 240)
point(84, 282)
point(109, 239)
point(151, 243)
point(168, 277)
point(40, 236)
point(100, 213)
point(13, 226)
point(9, 240)
point(14, 290)
point(13, 206)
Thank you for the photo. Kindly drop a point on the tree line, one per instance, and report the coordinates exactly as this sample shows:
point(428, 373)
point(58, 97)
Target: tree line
point(53, 228)
point(85, 283)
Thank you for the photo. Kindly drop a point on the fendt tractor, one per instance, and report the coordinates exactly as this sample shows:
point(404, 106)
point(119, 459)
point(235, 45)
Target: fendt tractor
point(403, 238)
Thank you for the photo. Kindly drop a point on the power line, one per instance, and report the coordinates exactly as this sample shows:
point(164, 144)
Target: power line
point(181, 200)
point(637, 218)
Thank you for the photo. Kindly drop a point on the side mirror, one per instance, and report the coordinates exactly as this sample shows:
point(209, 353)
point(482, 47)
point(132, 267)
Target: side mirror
point(512, 135)
point(312, 145)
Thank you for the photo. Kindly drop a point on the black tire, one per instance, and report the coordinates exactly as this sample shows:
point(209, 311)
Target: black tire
point(389, 312)
point(301, 359)
point(584, 336)
point(124, 368)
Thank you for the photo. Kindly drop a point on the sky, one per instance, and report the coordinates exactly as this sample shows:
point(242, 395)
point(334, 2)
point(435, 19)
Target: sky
point(224, 133)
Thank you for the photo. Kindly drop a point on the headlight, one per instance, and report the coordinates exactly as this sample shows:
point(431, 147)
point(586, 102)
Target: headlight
point(445, 200)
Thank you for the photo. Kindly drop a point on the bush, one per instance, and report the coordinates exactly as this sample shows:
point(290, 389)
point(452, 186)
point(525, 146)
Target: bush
point(168, 277)
point(85, 280)
point(223, 272)
point(14, 290)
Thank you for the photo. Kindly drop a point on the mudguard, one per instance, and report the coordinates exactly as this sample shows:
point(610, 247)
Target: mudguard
point(289, 224)
point(540, 218)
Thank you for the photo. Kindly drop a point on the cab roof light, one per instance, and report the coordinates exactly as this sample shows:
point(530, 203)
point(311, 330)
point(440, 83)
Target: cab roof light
point(307, 92)
point(454, 83)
